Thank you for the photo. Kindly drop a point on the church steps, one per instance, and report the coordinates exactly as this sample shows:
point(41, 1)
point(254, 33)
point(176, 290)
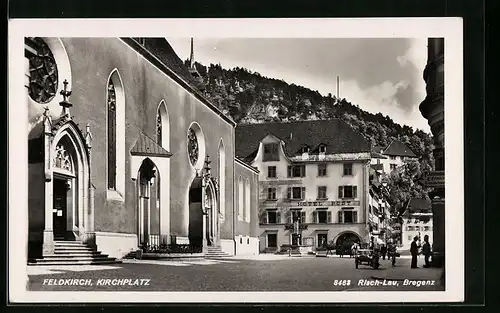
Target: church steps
point(76, 262)
point(215, 252)
point(73, 253)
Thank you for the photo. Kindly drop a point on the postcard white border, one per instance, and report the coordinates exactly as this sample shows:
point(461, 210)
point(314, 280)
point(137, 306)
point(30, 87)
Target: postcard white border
point(449, 28)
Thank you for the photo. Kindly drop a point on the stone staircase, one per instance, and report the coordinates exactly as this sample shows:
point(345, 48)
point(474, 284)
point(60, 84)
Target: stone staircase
point(215, 252)
point(73, 253)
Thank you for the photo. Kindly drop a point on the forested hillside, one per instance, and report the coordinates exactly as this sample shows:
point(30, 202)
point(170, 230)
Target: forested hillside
point(248, 97)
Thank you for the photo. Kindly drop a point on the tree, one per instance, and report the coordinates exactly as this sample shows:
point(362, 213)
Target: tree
point(405, 183)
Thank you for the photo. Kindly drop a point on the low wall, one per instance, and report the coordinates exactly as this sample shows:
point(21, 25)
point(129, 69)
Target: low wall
point(116, 245)
point(227, 245)
point(246, 245)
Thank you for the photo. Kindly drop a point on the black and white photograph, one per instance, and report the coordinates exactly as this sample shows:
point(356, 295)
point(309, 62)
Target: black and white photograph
point(234, 161)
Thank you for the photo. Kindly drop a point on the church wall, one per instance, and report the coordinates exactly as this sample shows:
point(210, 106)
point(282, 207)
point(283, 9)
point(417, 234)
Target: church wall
point(246, 236)
point(36, 208)
point(92, 60)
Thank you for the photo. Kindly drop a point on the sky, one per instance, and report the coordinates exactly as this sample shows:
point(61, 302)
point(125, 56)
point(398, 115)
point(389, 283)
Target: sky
point(379, 75)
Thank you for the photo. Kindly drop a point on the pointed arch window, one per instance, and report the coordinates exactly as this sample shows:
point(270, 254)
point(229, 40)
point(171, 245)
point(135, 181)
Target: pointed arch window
point(222, 180)
point(162, 126)
point(111, 135)
point(240, 198)
point(158, 129)
point(247, 200)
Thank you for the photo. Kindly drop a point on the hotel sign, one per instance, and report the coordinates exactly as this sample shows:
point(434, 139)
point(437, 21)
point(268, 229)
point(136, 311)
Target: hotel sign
point(328, 203)
point(435, 179)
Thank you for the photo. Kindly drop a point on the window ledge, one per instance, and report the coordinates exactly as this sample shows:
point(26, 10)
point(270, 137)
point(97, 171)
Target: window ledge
point(271, 200)
point(322, 198)
point(114, 195)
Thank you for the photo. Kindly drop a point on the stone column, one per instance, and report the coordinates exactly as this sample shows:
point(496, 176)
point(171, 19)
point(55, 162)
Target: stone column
point(48, 234)
point(88, 222)
point(148, 209)
point(204, 218)
point(432, 108)
point(18, 151)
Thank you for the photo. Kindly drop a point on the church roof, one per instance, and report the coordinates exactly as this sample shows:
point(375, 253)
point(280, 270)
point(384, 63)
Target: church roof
point(160, 48)
point(159, 52)
point(397, 148)
point(335, 134)
point(146, 146)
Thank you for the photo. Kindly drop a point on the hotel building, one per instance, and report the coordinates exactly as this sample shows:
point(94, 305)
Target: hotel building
point(313, 182)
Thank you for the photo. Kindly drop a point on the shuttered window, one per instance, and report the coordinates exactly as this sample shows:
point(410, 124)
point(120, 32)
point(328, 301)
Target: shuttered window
point(296, 171)
point(271, 152)
point(295, 193)
point(348, 192)
point(322, 192)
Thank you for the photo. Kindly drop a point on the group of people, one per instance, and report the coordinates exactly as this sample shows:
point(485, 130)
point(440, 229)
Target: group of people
point(415, 251)
point(390, 250)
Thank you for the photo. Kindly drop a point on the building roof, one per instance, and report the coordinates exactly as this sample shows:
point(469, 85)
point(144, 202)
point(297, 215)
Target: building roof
point(418, 205)
point(376, 155)
point(397, 148)
point(164, 51)
point(335, 134)
point(246, 164)
point(160, 53)
point(146, 146)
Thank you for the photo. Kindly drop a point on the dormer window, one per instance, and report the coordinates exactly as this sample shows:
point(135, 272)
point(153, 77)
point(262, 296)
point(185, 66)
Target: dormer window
point(305, 149)
point(271, 152)
point(322, 149)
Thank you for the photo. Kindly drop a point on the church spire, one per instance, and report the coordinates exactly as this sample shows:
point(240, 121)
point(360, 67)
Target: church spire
point(191, 58)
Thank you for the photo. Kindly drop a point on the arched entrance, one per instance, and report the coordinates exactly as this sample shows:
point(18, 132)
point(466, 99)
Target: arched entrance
point(149, 208)
point(346, 239)
point(203, 211)
point(196, 213)
point(65, 199)
point(211, 216)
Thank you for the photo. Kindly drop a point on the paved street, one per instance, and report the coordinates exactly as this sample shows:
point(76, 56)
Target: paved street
point(258, 273)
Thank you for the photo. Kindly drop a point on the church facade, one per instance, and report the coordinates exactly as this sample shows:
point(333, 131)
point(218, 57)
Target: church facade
point(125, 152)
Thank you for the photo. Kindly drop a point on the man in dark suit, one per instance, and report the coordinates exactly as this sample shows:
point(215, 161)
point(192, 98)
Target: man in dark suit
point(426, 250)
point(414, 252)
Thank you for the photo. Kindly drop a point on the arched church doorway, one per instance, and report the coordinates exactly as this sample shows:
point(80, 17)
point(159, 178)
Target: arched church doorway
point(66, 194)
point(196, 212)
point(149, 204)
point(347, 239)
point(203, 212)
point(211, 215)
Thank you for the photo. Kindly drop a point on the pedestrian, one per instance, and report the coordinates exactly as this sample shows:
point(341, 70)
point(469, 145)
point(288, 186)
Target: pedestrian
point(340, 250)
point(383, 251)
point(391, 249)
point(414, 252)
point(426, 250)
point(354, 249)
